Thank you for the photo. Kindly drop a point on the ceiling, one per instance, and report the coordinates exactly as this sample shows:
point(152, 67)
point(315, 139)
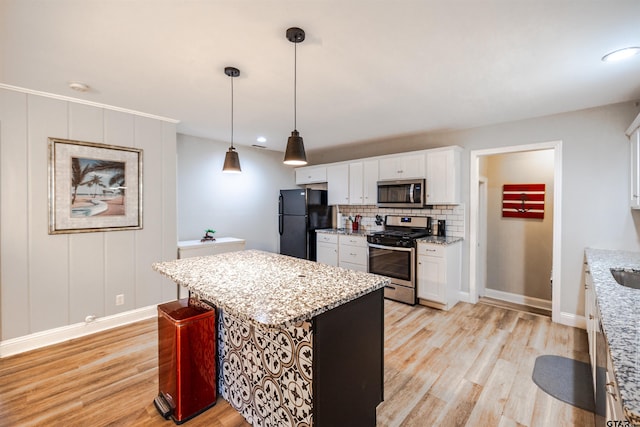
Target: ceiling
point(368, 69)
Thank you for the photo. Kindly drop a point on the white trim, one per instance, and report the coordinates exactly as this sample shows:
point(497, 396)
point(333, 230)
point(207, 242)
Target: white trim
point(474, 176)
point(635, 125)
point(570, 319)
point(85, 102)
point(518, 299)
point(57, 335)
point(464, 296)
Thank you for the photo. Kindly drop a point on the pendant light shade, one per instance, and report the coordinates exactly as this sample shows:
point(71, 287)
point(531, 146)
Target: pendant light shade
point(295, 155)
point(231, 159)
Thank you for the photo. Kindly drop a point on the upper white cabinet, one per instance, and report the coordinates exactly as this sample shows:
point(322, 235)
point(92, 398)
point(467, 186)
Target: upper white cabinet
point(363, 182)
point(338, 184)
point(402, 167)
point(635, 169)
point(443, 176)
point(311, 174)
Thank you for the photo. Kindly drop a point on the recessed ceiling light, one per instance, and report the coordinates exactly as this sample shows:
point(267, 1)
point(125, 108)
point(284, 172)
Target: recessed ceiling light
point(261, 139)
point(619, 54)
point(79, 86)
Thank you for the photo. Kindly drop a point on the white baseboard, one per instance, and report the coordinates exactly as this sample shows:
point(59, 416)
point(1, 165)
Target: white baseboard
point(570, 319)
point(464, 296)
point(518, 299)
point(57, 335)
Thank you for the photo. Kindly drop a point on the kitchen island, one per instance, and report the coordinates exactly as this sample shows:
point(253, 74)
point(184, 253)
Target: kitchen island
point(299, 343)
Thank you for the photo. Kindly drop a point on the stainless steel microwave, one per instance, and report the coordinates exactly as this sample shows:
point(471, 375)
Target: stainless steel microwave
point(406, 193)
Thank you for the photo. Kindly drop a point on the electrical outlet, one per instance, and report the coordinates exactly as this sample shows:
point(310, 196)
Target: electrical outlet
point(120, 299)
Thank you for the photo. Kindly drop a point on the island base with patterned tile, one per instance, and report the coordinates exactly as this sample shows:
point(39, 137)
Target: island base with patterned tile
point(266, 373)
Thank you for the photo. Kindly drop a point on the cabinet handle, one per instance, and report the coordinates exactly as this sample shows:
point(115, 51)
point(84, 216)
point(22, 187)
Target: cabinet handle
point(612, 393)
point(591, 317)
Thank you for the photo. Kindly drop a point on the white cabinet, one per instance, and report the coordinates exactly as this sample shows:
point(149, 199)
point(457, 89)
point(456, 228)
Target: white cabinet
point(338, 184)
point(353, 252)
point(635, 170)
point(311, 175)
point(443, 176)
point(327, 248)
point(363, 182)
point(599, 354)
point(591, 316)
point(438, 274)
point(402, 167)
point(193, 248)
point(356, 183)
point(370, 182)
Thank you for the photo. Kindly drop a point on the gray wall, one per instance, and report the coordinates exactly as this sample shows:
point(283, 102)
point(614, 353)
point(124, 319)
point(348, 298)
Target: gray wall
point(595, 179)
point(48, 281)
point(235, 205)
point(519, 250)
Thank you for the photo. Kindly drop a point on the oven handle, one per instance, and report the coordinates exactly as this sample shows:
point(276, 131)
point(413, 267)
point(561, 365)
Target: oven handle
point(391, 248)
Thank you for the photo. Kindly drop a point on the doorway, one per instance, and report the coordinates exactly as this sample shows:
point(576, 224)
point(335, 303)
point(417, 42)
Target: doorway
point(477, 225)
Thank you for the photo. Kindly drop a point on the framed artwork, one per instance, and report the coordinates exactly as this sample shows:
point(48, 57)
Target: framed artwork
point(93, 187)
point(523, 201)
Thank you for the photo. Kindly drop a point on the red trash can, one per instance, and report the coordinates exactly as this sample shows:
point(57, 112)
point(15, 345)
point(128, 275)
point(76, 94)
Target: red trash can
point(186, 359)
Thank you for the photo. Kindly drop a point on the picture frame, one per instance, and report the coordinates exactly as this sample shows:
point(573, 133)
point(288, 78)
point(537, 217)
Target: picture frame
point(94, 187)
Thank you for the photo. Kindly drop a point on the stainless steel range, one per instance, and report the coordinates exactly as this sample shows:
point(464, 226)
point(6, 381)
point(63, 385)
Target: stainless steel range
point(392, 253)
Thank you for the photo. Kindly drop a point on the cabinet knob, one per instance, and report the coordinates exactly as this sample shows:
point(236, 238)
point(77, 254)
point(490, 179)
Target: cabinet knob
point(591, 317)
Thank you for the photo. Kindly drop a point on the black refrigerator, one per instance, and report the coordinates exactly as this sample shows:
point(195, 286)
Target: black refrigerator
point(300, 213)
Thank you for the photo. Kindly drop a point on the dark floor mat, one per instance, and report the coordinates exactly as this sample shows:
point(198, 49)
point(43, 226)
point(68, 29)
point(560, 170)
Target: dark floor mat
point(565, 379)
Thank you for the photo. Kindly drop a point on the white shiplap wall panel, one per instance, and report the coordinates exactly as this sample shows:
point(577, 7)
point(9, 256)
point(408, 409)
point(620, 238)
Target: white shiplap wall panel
point(86, 250)
point(120, 246)
point(51, 281)
point(149, 138)
point(48, 255)
point(170, 213)
point(14, 245)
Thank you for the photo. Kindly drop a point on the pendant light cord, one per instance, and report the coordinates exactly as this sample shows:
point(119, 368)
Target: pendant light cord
point(231, 111)
point(295, 85)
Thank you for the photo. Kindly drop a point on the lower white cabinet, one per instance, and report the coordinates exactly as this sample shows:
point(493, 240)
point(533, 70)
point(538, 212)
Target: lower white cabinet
point(599, 355)
point(353, 252)
point(327, 248)
point(438, 274)
point(193, 248)
point(635, 169)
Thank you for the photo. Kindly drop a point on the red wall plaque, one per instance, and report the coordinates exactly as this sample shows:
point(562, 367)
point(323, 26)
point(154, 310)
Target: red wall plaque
point(523, 201)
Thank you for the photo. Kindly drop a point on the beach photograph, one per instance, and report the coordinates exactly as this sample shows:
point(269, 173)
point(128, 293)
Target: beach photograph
point(97, 188)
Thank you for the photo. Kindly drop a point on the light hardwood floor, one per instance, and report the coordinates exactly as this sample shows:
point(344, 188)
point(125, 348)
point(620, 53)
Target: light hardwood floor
point(469, 366)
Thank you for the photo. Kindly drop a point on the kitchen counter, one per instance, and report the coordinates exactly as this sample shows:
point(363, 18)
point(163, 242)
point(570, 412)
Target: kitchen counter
point(292, 336)
point(620, 315)
point(346, 231)
point(440, 240)
point(269, 289)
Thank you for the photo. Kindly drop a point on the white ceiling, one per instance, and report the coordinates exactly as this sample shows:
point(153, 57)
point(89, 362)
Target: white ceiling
point(368, 68)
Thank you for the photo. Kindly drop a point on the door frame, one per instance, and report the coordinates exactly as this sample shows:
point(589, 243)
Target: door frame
point(474, 177)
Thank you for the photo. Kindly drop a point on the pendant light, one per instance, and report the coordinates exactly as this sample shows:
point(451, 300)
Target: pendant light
point(231, 159)
point(295, 155)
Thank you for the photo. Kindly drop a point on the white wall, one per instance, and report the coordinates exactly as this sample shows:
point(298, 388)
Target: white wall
point(595, 182)
point(235, 205)
point(50, 281)
point(519, 251)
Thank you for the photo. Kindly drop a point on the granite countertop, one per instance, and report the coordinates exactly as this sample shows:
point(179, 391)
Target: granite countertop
point(440, 240)
point(348, 231)
point(620, 312)
point(269, 289)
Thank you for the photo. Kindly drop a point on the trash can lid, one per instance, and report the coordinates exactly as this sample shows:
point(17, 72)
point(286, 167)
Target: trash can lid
point(184, 309)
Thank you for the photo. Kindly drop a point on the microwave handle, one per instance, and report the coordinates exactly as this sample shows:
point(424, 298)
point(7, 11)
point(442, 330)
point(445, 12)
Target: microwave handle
point(411, 193)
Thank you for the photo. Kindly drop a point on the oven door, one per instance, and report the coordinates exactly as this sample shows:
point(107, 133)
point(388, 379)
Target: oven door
point(398, 264)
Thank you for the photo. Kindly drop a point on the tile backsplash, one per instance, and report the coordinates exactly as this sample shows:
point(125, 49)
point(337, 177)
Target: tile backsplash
point(453, 214)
